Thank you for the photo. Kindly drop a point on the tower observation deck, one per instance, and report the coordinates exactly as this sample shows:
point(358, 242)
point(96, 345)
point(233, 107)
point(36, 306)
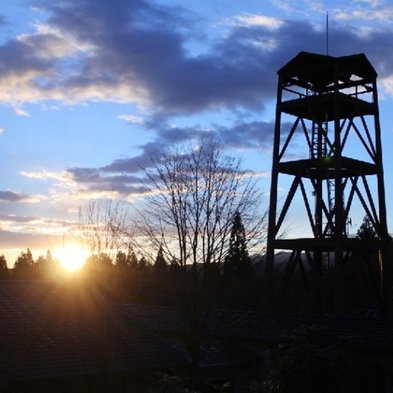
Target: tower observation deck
point(327, 155)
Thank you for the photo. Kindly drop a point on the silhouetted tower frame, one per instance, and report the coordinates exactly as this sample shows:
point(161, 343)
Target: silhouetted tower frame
point(326, 101)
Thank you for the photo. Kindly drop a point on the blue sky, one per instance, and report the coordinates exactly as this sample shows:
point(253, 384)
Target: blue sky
point(89, 87)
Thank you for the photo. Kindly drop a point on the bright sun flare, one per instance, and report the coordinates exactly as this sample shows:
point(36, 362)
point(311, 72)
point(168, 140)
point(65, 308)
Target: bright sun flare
point(72, 256)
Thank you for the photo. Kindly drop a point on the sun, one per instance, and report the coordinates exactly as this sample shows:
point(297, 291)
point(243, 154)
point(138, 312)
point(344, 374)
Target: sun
point(71, 256)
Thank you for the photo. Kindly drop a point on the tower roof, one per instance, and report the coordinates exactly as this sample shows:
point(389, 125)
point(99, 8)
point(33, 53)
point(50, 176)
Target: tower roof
point(319, 69)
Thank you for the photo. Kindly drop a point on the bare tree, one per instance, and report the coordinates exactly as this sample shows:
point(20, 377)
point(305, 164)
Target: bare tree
point(194, 194)
point(103, 226)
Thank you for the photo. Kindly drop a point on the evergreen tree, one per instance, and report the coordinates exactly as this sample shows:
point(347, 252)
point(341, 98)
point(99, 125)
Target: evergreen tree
point(160, 262)
point(132, 259)
point(24, 266)
point(48, 267)
point(100, 260)
point(237, 263)
point(99, 271)
point(121, 261)
point(143, 264)
point(3, 267)
point(366, 230)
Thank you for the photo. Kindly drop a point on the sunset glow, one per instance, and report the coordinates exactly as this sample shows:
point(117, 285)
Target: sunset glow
point(72, 256)
point(81, 117)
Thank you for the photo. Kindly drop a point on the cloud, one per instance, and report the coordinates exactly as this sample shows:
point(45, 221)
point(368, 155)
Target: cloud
point(125, 176)
point(374, 10)
point(108, 181)
point(132, 119)
point(21, 112)
point(13, 196)
point(136, 52)
point(141, 52)
point(260, 20)
point(44, 175)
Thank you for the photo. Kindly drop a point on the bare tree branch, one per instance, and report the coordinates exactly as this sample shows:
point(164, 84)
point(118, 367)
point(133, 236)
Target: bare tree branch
point(193, 196)
point(104, 225)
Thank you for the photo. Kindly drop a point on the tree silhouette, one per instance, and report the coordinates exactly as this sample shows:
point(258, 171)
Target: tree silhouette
point(160, 262)
point(121, 261)
point(3, 268)
point(24, 268)
point(47, 267)
point(99, 272)
point(132, 259)
point(103, 225)
point(366, 274)
point(196, 190)
point(237, 264)
point(366, 229)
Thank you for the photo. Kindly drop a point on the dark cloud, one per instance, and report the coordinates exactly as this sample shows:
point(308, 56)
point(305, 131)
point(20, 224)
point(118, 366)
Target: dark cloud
point(238, 70)
point(145, 47)
point(126, 175)
point(107, 179)
point(12, 196)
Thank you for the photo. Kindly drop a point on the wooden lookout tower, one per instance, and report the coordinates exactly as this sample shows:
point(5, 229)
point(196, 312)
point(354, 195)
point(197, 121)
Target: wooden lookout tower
point(327, 158)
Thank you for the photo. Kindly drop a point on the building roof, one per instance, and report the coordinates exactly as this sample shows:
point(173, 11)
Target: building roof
point(361, 333)
point(66, 330)
point(170, 323)
point(49, 331)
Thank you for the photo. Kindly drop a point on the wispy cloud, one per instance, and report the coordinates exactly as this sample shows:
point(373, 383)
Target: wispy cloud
point(366, 11)
point(260, 20)
point(132, 119)
point(43, 175)
point(21, 112)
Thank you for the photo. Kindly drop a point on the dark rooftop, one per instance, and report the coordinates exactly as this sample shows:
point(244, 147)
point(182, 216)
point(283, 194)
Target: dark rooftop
point(362, 333)
point(62, 330)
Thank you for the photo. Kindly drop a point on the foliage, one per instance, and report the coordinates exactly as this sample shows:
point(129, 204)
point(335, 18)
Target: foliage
point(160, 262)
point(3, 262)
point(177, 382)
point(311, 359)
point(48, 267)
point(173, 382)
point(3, 267)
point(98, 271)
point(25, 260)
point(128, 260)
point(96, 261)
point(366, 229)
point(237, 264)
point(366, 272)
point(121, 261)
point(24, 267)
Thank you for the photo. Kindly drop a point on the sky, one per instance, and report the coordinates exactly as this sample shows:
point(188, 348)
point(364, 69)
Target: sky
point(89, 88)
